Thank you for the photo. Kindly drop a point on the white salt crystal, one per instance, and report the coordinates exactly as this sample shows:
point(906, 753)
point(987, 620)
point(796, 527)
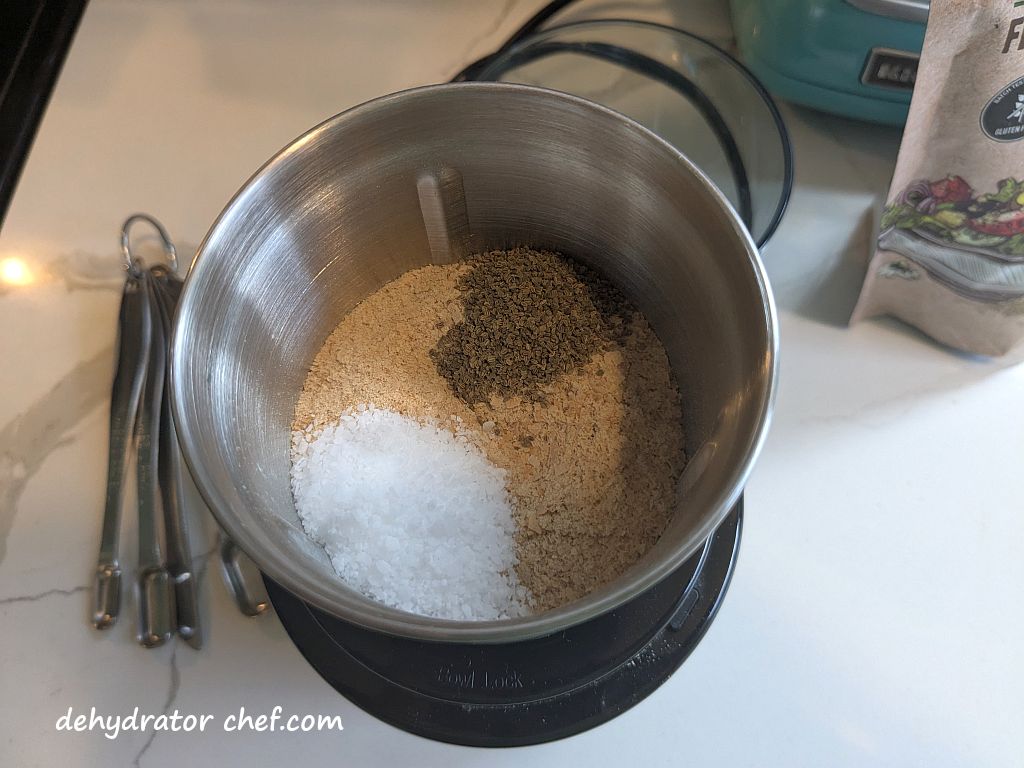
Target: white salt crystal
point(411, 515)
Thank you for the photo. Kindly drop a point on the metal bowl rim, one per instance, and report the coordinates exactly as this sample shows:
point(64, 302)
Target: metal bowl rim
point(393, 621)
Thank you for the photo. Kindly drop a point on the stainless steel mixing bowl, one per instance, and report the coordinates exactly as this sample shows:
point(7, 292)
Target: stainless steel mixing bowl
point(429, 176)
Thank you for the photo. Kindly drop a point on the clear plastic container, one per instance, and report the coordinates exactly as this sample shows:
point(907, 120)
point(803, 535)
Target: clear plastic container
point(688, 91)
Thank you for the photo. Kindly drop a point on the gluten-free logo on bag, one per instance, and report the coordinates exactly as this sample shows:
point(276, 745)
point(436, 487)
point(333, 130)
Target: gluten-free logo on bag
point(1002, 119)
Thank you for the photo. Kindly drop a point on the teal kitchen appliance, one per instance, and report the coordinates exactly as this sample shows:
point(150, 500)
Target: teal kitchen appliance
point(856, 58)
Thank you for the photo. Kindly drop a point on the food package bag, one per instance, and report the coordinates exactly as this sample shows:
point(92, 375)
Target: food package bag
point(950, 252)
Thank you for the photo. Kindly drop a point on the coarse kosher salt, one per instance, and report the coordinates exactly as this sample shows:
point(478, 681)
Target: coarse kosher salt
point(411, 515)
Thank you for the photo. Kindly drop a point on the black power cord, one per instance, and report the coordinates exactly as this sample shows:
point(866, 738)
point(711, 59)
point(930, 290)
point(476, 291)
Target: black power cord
point(535, 22)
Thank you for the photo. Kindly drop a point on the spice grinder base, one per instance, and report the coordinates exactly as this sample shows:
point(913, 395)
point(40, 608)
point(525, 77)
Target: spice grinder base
point(528, 692)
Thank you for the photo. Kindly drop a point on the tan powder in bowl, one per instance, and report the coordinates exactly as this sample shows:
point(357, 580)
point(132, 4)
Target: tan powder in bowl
point(593, 451)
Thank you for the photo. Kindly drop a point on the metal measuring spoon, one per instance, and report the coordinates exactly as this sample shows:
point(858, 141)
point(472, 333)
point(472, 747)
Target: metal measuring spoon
point(134, 339)
point(170, 472)
point(242, 578)
point(155, 593)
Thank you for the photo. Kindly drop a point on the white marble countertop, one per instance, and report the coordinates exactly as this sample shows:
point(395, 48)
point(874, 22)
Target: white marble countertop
point(875, 615)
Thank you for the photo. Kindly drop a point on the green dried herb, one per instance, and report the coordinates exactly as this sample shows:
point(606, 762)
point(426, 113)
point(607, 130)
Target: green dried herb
point(528, 317)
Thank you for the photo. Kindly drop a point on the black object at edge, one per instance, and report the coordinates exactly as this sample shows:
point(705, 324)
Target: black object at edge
point(34, 54)
point(399, 681)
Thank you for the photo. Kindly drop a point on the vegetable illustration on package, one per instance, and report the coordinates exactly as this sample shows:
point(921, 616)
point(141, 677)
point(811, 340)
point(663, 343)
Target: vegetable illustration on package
point(947, 210)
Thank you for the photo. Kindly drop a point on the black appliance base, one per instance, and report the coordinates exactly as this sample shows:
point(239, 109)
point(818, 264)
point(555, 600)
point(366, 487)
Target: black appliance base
point(527, 692)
